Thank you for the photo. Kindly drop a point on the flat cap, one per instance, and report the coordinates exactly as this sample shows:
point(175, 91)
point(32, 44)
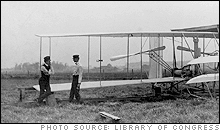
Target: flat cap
point(75, 56)
point(46, 58)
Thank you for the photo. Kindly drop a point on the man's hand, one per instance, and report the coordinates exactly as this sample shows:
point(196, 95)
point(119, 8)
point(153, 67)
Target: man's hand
point(51, 71)
point(78, 85)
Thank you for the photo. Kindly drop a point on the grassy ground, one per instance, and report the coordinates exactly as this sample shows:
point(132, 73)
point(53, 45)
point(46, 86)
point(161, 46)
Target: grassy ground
point(168, 111)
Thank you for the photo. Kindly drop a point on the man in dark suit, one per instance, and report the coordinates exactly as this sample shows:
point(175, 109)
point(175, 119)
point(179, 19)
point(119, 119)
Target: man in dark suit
point(44, 81)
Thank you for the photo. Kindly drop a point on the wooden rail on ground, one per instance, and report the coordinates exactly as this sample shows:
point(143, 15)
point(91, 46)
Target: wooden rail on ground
point(22, 90)
point(50, 100)
point(115, 119)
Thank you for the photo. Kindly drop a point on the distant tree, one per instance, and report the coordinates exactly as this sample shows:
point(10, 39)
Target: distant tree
point(109, 65)
point(26, 66)
point(59, 66)
point(18, 67)
point(35, 66)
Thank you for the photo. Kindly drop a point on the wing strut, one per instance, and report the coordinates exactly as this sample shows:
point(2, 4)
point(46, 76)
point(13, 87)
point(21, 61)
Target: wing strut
point(174, 55)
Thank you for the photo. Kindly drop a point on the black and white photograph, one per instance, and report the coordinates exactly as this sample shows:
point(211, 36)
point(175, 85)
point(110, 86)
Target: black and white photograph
point(112, 63)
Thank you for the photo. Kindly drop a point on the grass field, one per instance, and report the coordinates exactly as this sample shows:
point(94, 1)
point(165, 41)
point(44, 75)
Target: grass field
point(167, 111)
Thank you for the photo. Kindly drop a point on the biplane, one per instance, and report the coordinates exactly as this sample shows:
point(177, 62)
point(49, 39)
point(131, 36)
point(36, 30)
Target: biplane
point(183, 72)
point(157, 64)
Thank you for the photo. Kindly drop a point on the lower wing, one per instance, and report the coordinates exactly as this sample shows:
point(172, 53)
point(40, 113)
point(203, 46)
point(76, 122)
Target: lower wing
point(201, 60)
point(95, 84)
point(204, 78)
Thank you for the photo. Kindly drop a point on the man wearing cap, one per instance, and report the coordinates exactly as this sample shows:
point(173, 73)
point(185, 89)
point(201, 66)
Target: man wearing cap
point(44, 81)
point(77, 79)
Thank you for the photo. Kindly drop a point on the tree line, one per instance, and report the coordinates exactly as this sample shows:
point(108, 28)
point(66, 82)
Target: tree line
point(34, 67)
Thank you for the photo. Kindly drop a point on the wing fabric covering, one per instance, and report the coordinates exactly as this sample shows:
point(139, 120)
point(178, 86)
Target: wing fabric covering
point(155, 67)
point(201, 60)
point(96, 84)
point(204, 78)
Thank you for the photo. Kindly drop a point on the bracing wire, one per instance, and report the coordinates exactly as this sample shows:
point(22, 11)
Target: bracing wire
point(208, 43)
point(174, 40)
point(144, 43)
point(153, 55)
point(161, 63)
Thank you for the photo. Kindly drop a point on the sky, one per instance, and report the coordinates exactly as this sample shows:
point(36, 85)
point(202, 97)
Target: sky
point(21, 20)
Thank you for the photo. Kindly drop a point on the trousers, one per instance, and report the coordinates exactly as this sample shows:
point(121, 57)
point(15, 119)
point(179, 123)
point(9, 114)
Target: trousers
point(74, 92)
point(45, 89)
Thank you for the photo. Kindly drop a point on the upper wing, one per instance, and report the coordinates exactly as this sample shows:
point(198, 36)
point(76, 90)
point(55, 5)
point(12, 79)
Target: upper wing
point(207, 59)
point(95, 84)
point(140, 34)
point(204, 78)
point(209, 28)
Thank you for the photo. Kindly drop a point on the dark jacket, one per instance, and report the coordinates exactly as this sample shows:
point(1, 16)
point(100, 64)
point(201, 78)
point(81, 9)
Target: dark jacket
point(44, 76)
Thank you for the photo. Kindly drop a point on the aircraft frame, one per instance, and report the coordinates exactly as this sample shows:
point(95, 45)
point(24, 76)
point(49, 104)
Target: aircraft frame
point(173, 35)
